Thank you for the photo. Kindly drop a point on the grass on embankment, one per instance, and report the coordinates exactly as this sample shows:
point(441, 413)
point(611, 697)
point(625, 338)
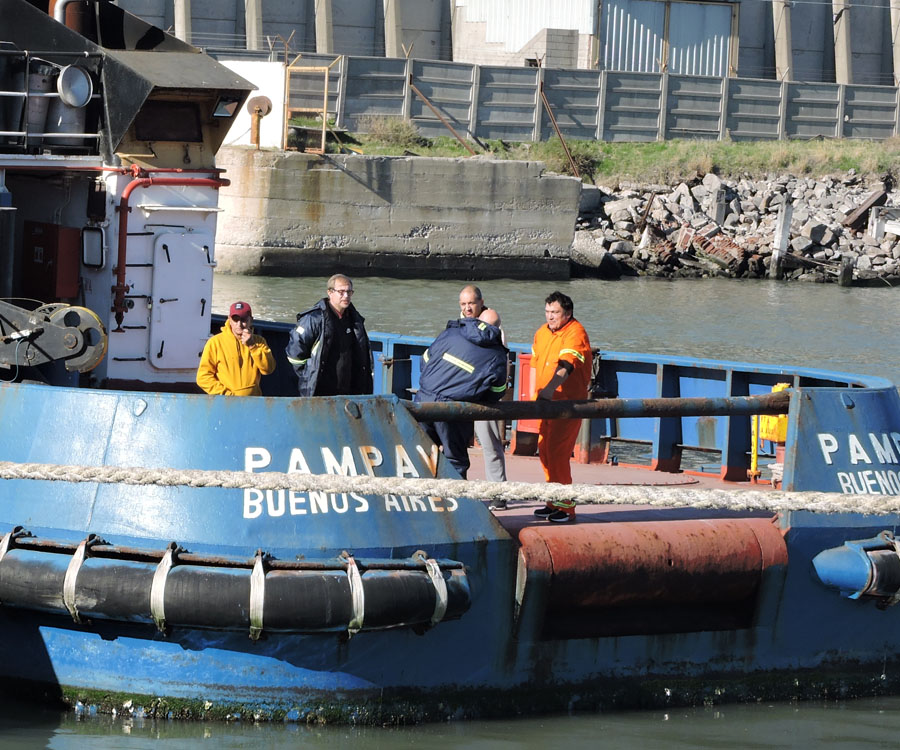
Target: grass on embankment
point(659, 162)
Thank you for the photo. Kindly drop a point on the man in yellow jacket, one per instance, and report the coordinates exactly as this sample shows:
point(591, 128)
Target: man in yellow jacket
point(234, 359)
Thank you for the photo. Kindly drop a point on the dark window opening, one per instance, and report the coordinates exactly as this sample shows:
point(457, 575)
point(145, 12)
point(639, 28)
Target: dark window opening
point(168, 121)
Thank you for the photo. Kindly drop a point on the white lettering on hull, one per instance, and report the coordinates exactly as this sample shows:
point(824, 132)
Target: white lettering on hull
point(871, 449)
point(343, 462)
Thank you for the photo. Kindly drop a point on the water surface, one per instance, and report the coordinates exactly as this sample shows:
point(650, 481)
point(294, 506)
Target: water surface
point(803, 324)
point(847, 725)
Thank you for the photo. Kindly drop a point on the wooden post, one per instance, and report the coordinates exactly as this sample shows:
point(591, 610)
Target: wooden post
point(780, 241)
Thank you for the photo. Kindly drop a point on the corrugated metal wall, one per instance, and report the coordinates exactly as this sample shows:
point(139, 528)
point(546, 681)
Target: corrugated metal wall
point(632, 35)
point(634, 32)
point(699, 36)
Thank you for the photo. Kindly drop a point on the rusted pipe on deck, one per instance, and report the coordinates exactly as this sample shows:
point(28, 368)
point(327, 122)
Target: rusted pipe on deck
point(460, 411)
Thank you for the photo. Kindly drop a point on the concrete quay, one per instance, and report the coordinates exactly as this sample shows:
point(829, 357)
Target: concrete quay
point(294, 214)
point(291, 213)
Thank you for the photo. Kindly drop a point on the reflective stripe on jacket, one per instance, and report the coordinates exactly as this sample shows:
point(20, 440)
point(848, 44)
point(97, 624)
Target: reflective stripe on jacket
point(467, 362)
point(309, 343)
point(569, 344)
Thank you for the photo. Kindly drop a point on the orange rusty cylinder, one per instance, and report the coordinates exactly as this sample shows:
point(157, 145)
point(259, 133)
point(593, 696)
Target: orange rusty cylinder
point(658, 562)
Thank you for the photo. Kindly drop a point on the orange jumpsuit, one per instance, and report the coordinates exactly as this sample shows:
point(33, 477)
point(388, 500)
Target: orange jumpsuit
point(556, 437)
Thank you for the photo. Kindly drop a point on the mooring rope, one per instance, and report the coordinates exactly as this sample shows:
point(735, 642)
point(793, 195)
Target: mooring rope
point(669, 497)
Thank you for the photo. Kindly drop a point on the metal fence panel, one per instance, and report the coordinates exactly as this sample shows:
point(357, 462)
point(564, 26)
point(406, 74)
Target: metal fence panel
point(507, 98)
point(694, 107)
point(870, 112)
point(631, 106)
point(754, 109)
point(376, 87)
point(624, 106)
point(813, 109)
point(574, 97)
point(449, 87)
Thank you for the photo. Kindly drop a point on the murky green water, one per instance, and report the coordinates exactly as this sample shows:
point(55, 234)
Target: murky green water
point(834, 726)
point(814, 325)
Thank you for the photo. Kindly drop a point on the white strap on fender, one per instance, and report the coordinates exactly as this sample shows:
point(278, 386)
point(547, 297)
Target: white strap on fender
point(257, 597)
point(440, 590)
point(72, 577)
point(4, 544)
point(357, 597)
point(890, 539)
point(158, 589)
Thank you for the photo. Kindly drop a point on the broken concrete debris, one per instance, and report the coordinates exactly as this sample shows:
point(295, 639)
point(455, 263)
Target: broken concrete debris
point(728, 227)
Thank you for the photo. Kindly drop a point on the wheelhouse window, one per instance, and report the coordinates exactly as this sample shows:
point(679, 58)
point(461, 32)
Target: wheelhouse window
point(168, 121)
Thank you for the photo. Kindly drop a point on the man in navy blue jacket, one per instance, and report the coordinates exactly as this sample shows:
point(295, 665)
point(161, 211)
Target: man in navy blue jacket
point(467, 362)
point(329, 347)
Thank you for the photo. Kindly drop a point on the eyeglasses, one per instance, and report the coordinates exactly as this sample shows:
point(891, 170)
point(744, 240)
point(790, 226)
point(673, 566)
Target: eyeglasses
point(342, 292)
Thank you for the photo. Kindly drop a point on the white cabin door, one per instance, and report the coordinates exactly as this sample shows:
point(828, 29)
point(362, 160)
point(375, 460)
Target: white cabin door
point(180, 313)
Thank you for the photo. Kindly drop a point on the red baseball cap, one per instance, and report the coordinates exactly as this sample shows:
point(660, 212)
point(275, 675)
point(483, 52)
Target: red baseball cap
point(240, 309)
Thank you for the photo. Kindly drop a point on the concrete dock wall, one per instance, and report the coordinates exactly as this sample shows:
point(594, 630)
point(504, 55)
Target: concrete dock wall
point(290, 213)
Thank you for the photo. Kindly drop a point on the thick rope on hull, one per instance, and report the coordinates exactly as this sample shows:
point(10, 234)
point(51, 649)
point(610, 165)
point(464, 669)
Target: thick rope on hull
point(668, 497)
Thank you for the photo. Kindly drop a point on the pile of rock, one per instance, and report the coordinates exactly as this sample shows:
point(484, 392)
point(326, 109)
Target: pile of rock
point(717, 227)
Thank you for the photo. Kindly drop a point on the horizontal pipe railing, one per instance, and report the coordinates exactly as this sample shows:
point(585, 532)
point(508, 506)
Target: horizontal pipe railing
point(460, 411)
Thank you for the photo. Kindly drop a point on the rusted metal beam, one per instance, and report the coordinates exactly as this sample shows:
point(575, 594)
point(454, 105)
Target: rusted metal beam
point(460, 411)
point(441, 117)
point(857, 219)
point(559, 134)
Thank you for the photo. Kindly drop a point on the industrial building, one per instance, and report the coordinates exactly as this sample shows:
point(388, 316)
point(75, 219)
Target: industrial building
point(840, 41)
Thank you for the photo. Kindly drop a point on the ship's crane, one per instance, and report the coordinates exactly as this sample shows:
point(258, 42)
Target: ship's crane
point(54, 332)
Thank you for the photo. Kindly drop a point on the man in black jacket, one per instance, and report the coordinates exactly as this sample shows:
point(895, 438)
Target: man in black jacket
point(329, 347)
point(467, 362)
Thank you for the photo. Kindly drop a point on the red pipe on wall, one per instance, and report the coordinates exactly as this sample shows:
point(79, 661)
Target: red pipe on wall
point(142, 182)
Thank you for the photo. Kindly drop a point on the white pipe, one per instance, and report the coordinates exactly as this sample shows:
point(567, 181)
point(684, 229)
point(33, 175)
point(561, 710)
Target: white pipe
point(59, 10)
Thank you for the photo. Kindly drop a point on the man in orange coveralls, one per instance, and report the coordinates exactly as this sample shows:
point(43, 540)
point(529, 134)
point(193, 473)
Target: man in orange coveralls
point(234, 359)
point(561, 360)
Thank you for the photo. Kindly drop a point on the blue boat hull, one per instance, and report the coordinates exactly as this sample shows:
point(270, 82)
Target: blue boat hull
point(796, 637)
